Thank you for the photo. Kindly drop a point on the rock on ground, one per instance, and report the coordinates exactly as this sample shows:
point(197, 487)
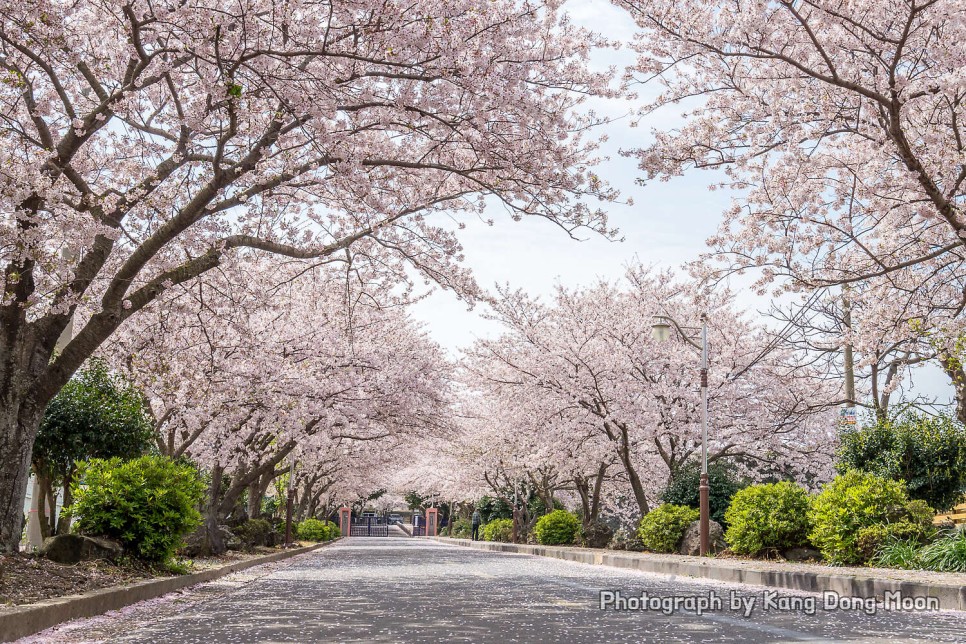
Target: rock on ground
point(691, 541)
point(74, 548)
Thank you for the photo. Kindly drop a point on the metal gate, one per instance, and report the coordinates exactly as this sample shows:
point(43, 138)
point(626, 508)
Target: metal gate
point(369, 527)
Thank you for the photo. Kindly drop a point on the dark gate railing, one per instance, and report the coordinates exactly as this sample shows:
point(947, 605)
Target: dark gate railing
point(369, 527)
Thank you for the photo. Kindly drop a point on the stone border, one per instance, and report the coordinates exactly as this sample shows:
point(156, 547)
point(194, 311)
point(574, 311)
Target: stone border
point(32, 618)
point(951, 597)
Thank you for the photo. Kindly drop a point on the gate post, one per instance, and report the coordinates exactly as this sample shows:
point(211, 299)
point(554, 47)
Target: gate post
point(431, 517)
point(345, 521)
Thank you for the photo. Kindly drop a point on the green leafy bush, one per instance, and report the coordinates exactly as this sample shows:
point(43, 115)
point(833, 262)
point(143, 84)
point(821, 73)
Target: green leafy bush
point(462, 529)
point(315, 530)
point(927, 452)
point(913, 524)
point(148, 504)
point(253, 533)
point(97, 414)
point(498, 530)
point(557, 528)
point(946, 554)
point(850, 502)
point(491, 508)
point(661, 529)
point(768, 516)
point(723, 484)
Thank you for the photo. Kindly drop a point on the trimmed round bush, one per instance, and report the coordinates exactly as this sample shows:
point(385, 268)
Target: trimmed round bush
point(850, 502)
point(498, 530)
point(557, 528)
point(148, 504)
point(661, 529)
point(315, 530)
point(769, 516)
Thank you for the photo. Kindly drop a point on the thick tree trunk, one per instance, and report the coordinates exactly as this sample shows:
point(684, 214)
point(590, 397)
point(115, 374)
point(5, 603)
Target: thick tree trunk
point(546, 496)
point(590, 496)
point(213, 544)
point(598, 489)
point(582, 486)
point(19, 423)
point(624, 452)
point(254, 500)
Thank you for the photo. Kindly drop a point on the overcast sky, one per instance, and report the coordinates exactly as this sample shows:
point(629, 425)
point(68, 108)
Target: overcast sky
point(666, 226)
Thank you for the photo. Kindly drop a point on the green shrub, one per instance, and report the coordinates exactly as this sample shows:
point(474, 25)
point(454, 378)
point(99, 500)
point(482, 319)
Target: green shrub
point(850, 502)
point(97, 414)
point(253, 533)
point(148, 504)
point(723, 483)
point(769, 516)
point(913, 524)
point(498, 530)
point(927, 452)
point(947, 553)
point(491, 508)
point(557, 528)
point(315, 530)
point(462, 529)
point(661, 529)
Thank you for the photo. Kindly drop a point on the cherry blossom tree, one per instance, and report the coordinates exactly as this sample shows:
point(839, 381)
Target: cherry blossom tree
point(145, 142)
point(253, 387)
point(512, 445)
point(840, 126)
point(590, 357)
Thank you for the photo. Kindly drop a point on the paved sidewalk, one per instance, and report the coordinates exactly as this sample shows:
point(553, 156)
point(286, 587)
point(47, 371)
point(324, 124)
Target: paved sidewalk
point(949, 589)
point(417, 590)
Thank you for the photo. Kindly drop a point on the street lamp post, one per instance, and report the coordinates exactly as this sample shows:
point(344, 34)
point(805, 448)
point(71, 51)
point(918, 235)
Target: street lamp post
point(289, 504)
point(661, 329)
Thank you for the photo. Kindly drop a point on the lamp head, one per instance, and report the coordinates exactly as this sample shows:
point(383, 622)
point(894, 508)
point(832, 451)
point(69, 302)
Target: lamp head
point(661, 328)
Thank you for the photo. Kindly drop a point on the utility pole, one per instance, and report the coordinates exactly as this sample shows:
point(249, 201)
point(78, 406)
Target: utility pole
point(847, 417)
point(849, 363)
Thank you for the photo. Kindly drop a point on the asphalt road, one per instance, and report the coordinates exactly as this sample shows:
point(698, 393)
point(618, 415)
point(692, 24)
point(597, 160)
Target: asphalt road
point(413, 590)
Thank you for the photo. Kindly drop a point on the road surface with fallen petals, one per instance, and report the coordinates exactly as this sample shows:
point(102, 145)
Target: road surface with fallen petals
point(415, 590)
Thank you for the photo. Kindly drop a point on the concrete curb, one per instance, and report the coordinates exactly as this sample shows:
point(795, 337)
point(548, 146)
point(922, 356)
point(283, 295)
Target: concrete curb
point(950, 596)
point(33, 618)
